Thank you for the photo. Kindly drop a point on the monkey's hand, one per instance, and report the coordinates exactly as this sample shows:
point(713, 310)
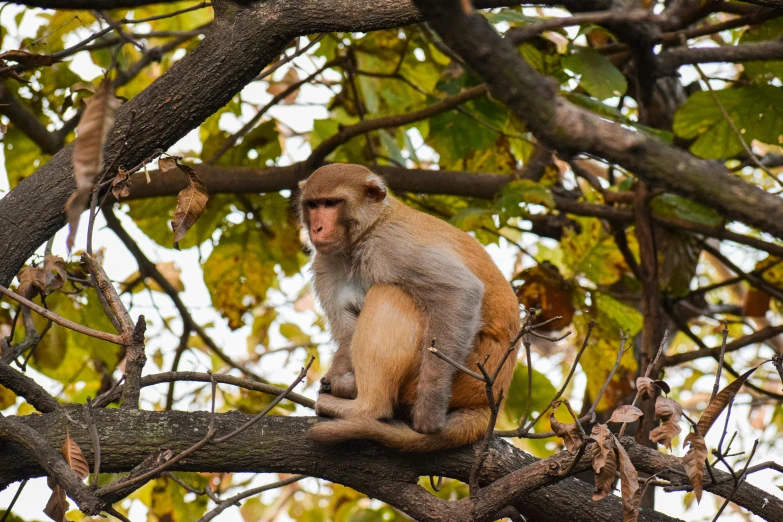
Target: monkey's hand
point(343, 386)
point(428, 417)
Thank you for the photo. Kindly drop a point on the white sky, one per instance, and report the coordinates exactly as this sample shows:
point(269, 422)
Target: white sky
point(119, 265)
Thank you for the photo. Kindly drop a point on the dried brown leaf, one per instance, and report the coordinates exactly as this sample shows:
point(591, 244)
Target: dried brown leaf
point(191, 202)
point(96, 122)
point(646, 388)
point(663, 386)
point(166, 164)
point(32, 280)
point(603, 448)
point(669, 412)
point(57, 505)
point(28, 59)
point(291, 77)
point(630, 490)
point(693, 462)
point(604, 480)
point(120, 185)
point(74, 457)
point(56, 273)
point(626, 413)
point(720, 401)
point(572, 437)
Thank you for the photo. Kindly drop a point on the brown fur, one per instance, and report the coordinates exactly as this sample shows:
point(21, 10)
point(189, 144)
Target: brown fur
point(414, 278)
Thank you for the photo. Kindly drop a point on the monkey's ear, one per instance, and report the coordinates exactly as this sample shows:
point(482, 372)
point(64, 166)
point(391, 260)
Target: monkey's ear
point(302, 184)
point(374, 190)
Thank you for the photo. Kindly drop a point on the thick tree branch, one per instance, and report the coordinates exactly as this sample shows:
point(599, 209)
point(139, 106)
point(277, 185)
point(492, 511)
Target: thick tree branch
point(670, 61)
point(25, 121)
point(239, 180)
point(568, 128)
point(277, 444)
point(24, 386)
point(88, 4)
point(242, 40)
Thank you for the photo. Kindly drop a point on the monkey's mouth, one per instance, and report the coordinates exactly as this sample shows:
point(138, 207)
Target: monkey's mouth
point(326, 247)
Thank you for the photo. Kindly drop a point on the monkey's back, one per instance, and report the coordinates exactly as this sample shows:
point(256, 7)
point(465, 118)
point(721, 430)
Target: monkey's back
point(499, 307)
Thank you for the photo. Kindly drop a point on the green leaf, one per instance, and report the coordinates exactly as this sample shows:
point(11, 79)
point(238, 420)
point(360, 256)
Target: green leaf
point(592, 252)
point(22, 156)
point(244, 265)
point(598, 76)
point(516, 397)
point(469, 219)
point(509, 15)
point(610, 310)
point(455, 136)
point(766, 71)
point(677, 207)
point(294, 334)
point(757, 111)
point(519, 193)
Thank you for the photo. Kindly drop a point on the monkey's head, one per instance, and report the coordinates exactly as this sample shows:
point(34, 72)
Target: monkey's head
point(337, 203)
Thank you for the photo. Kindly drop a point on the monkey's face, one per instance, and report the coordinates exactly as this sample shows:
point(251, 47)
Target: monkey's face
point(337, 203)
point(325, 224)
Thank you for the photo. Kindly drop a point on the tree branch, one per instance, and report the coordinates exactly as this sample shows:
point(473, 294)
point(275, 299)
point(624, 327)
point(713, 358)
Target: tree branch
point(278, 444)
point(24, 386)
point(568, 128)
point(89, 4)
point(670, 61)
point(242, 40)
point(25, 121)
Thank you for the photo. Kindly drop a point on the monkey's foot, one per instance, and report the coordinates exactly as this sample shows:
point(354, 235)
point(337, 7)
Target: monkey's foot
point(342, 386)
point(428, 420)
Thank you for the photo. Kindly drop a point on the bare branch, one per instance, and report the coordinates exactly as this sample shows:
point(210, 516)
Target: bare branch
point(43, 312)
point(222, 506)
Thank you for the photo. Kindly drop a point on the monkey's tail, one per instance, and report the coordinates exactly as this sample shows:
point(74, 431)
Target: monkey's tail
point(462, 427)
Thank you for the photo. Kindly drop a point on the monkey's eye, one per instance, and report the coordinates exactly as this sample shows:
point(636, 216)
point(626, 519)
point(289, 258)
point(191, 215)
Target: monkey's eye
point(331, 203)
point(311, 205)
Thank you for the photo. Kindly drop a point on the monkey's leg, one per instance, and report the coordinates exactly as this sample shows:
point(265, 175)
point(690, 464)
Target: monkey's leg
point(385, 351)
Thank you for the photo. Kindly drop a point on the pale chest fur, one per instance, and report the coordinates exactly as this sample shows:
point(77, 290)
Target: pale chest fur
point(341, 294)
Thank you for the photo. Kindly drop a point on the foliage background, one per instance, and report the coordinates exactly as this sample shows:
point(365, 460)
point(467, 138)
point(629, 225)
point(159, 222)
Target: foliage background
point(243, 272)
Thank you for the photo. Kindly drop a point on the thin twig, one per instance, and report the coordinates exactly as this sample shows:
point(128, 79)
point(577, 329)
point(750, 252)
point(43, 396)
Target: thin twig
point(275, 402)
point(737, 483)
point(13, 500)
point(249, 493)
point(734, 129)
point(562, 389)
point(620, 353)
point(716, 386)
point(76, 327)
point(288, 58)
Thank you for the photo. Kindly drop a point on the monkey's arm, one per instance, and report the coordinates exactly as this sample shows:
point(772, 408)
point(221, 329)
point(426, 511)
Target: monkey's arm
point(451, 296)
point(339, 379)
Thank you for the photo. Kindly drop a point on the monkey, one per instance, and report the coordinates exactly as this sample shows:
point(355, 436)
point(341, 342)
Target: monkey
point(390, 280)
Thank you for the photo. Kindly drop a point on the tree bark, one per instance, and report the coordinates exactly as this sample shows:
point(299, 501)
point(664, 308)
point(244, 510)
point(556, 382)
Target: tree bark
point(277, 444)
